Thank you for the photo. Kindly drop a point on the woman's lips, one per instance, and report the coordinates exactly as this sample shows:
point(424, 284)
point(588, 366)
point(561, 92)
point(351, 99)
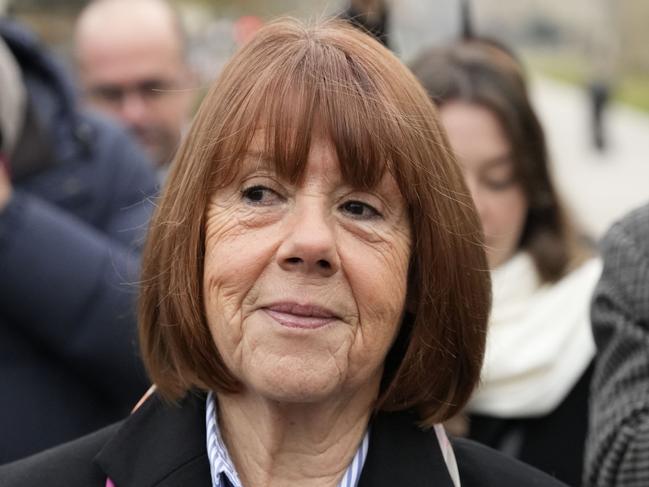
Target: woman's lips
point(295, 315)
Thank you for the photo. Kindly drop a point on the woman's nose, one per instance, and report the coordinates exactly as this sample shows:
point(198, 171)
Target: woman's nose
point(309, 245)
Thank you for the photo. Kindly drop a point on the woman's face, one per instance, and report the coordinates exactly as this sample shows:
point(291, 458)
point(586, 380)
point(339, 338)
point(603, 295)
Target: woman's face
point(485, 155)
point(305, 284)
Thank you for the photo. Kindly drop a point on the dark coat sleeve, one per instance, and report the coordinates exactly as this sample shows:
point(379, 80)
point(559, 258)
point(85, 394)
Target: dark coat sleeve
point(69, 465)
point(617, 451)
point(69, 267)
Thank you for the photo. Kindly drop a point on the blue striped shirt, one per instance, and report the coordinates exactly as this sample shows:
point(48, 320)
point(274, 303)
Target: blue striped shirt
point(222, 468)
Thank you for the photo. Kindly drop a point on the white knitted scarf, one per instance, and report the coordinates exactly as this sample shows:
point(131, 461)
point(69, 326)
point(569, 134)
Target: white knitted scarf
point(539, 341)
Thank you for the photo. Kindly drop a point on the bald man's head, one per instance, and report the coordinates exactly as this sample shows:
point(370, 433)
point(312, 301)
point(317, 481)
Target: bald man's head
point(131, 60)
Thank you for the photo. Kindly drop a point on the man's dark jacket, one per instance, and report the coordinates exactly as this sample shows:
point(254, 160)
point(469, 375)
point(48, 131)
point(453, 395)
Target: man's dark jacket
point(69, 261)
point(165, 446)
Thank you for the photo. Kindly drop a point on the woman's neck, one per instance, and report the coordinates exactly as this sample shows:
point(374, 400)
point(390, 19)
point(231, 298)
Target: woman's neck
point(273, 444)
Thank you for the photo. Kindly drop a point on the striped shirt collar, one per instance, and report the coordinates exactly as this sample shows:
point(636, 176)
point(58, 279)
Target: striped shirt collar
point(221, 464)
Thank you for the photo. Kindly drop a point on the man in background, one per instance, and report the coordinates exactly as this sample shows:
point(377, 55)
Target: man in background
point(131, 56)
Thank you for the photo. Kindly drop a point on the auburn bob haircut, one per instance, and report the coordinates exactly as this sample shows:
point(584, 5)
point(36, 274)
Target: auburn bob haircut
point(292, 80)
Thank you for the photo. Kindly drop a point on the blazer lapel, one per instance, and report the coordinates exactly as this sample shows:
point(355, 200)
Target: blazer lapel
point(163, 445)
point(400, 453)
point(160, 445)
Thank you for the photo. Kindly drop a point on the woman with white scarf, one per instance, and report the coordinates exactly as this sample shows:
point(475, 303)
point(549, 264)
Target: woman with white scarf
point(532, 402)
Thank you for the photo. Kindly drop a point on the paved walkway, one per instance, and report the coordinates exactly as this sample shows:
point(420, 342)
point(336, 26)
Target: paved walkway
point(598, 188)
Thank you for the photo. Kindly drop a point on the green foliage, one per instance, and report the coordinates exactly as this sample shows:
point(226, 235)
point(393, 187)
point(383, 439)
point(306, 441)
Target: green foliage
point(634, 90)
point(629, 88)
point(563, 67)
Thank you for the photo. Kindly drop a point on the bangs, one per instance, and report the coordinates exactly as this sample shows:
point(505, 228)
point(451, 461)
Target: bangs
point(310, 90)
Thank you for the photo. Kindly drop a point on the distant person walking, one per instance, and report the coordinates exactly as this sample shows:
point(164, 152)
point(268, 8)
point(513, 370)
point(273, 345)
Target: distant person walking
point(601, 54)
point(599, 92)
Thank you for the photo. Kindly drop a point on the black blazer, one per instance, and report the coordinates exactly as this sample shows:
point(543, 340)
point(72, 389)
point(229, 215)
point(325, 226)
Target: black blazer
point(164, 446)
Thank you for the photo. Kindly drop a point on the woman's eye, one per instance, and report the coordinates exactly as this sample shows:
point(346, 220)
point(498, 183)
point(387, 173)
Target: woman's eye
point(260, 195)
point(358, 209)
point(500, 184)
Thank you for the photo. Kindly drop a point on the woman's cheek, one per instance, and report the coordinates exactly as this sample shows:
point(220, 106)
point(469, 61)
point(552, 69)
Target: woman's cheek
point(378, 282)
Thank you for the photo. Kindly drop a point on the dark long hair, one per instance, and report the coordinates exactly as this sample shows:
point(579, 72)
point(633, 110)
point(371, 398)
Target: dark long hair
point(486, 73)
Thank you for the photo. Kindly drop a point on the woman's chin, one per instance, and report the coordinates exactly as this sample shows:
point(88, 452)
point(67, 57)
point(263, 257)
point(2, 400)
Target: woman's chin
point(293, 381)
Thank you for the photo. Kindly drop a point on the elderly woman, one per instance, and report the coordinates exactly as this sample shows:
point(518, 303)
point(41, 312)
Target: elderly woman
point(538, 365)
point(315, 292)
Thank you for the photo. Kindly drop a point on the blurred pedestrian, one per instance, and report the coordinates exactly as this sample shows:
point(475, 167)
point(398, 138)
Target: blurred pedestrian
point(532, 402)
point(132, 62)
point(599, 91)
point(73, 210)
point(601, 52)
point(617, 451)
